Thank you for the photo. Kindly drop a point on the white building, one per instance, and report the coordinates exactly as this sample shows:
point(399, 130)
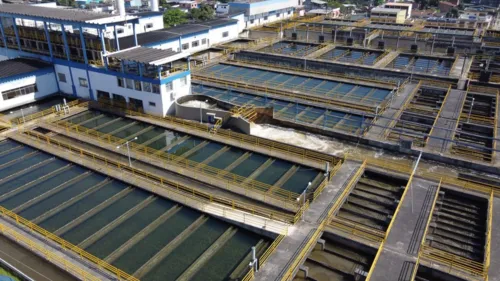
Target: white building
point(24, 80)
point(260, 12)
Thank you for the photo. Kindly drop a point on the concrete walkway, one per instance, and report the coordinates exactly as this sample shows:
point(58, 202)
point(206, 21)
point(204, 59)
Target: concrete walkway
point(298, 235)
point(377, 131)
point(403, 243)
point(494, 272)
point(446, 122)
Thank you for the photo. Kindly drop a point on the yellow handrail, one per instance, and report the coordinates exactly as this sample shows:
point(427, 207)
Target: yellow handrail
point(169, 185)
point(27, 118)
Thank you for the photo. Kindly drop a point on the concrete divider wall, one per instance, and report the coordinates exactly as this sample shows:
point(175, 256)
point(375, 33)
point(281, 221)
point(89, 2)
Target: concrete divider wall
point(193, 113)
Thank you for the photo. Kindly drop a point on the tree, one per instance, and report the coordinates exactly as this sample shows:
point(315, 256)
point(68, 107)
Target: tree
point(203, 13)
point(453, 13)
point(333, 4)
point(173, 17)
point(378, 2)
point(70, 3)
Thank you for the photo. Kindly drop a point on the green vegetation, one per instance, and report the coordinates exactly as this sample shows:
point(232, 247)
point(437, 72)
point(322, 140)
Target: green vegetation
point(203, 13)
point(453, 13)
point(4, 272)
point(70, 3)
point(173, 17)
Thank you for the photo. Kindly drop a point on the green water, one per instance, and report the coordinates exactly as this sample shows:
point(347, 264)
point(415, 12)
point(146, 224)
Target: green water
point(115, 125)
point(227, 158)
point(126, 230)
point(72, 212)
point(7, 144)
point(140, 253)
point(203, 153)
point(186, 253)
point(15, 154)
point(131, 130)
point(42, 187)
point(102, 218)
point(150, 134)
point(247, 167)
point(25, 163)
point(227, 258)
point(98, 122)
point(61, 196)
point(165, 141)
point(185, 146)
point(274, 172)
point(31, 176)
point(87, 115)
point(299, 180)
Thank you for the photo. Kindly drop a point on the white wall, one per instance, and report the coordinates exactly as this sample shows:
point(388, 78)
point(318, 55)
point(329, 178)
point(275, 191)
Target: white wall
point(46, 85)
point(271, 5)
point(216, 37)
point(271, 18)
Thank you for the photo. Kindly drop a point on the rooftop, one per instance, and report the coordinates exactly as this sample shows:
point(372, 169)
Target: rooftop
point(73, 15)
point(13, 67)
point(386, 10)
point(147, 55)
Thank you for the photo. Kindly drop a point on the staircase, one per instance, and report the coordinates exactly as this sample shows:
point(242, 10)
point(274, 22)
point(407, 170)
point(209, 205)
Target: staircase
point(216, 126)
point(246, 112)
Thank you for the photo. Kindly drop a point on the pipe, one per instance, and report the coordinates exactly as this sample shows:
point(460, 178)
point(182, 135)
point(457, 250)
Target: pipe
point(121, 7)
point(153, 5)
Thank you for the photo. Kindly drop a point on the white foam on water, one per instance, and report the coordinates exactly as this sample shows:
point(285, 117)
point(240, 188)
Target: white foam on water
point(196, 103)
point(306, 140)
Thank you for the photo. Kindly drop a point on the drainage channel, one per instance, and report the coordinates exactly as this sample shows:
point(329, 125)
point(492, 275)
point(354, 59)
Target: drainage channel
point(149, 237)
point(336, 259)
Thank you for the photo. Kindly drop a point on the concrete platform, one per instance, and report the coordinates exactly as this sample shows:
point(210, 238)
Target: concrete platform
point(403, 243)
point(494, 272)
point(299, 234)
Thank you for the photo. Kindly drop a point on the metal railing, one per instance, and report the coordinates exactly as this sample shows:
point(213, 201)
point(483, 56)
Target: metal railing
point(173, 187)
point(121, 275)
point(28, 118)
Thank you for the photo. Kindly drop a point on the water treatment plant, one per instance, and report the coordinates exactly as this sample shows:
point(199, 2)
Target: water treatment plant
point(260, 145)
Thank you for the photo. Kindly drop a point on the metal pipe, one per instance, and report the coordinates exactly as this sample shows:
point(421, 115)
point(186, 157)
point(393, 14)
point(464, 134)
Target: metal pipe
point(128, 150)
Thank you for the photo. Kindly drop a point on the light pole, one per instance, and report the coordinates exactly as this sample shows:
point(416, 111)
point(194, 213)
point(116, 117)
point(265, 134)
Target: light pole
point(470, 110)
point(304, 200)
point(128, 150)
point(201, 115)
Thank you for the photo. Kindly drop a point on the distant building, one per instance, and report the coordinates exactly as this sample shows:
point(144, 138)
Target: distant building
point(188, 5)
point(407, 7)
point(379, 14)
point(445, 7)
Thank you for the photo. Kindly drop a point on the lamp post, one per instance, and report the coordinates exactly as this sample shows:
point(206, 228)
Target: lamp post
point(201, 115)
point(128, 150)
point(304, 199)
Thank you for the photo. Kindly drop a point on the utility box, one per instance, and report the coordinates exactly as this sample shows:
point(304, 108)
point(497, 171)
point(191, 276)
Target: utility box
point(350, 41)
point(381, 45)
point(294, 35)
point(450, 51)
point(414, 48)
point(211, 118)
point(321, 39)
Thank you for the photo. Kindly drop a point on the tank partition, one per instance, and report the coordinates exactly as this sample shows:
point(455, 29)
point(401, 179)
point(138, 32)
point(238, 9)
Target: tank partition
point(368, 210)
point(115, 226)
point(425, 273)
point(337, 259)
point(365, 96)
point(438, 66)
point(289, 111)
point(291, 48)
point(418, 118)
point(354, 55)
point(490, 63)
point(475, 132)
point(459, 233)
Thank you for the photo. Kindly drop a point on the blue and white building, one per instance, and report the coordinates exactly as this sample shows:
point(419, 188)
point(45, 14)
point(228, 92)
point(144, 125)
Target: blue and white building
point(148, 69)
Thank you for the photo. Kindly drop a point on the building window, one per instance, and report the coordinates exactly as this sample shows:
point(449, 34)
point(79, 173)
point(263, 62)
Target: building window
point(61, 77)
point(278, 14)
point(169, 86)
point(149, 25)
point(146, 86)
point(203, 41)
point(119, 31)
point(10, 94)
point(152, 104)
point(156, 88)
point(288, 12)
point(251, 21)
point(138, 86)
point(183, 81)
point(265, 18)
point(225, 34)
point(120, 81)
point(185, 46)
point(129, 83)
point(195, 43)
point(83, 82)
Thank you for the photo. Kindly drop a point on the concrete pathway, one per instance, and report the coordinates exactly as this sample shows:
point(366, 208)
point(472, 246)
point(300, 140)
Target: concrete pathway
point(494, 272)
point(284, 255)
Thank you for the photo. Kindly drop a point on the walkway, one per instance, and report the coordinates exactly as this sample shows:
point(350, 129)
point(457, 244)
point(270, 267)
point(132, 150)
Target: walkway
point(284, 255)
